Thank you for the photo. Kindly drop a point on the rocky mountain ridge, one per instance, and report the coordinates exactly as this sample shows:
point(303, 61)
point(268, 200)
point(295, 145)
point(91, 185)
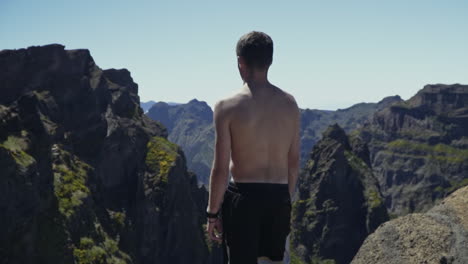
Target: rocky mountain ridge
point(418, 147)
point(339, 201)
point(85, 176)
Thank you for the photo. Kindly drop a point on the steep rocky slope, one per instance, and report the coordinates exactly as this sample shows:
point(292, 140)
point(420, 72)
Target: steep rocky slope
point(190, 126)
point(437, 236)
point(339, 202)
point(419, 147)
point(85, 177)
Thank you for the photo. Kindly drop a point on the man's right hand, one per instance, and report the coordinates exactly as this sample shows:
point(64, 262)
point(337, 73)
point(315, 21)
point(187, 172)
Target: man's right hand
point(215, 229)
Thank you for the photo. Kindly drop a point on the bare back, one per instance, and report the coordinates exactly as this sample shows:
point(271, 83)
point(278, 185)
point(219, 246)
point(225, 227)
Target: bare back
point(262, 130)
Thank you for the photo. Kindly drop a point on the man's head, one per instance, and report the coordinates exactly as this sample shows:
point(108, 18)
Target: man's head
point(255, 50)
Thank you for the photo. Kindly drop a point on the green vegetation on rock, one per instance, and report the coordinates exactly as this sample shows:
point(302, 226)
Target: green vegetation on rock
point(160, 157)
point(16, 147)
point(90, 251)
point(356, 162)
point(294, 259)
point(374, 200)
point(441, 152)
point(70, 177)
point(117, 217)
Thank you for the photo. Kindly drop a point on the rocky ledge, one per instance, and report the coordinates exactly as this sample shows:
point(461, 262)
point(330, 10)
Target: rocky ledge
point(437, 236)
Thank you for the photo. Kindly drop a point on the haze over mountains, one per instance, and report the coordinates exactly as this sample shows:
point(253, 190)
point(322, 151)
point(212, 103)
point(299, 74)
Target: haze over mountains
point(87, 177)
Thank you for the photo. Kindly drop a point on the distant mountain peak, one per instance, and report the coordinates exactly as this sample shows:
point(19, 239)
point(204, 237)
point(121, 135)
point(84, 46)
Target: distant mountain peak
point(195, 101)
point(441, 97)
point(389, 100)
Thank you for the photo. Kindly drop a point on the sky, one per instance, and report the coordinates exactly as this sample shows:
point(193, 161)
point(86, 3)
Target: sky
point(327, 54)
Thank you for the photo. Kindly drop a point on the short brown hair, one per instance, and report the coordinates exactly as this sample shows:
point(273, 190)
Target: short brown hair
point(256, 48)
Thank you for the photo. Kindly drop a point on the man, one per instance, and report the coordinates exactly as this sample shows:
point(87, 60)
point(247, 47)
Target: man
point(257, 140)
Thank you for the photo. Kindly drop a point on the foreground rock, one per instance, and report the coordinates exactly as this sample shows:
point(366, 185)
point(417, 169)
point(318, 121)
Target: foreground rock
point(339, 201)
point(438, 236)
point(85, 176)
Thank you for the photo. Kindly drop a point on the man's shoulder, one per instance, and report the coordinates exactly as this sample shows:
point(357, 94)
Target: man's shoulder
point(287, 97)
point(229, 103)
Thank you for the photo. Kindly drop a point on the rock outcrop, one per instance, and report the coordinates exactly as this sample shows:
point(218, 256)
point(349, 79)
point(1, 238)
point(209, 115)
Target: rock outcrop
point(339, 202)
point(85, 176)
point(190, 126)
point(437, 236)
point(418, 147)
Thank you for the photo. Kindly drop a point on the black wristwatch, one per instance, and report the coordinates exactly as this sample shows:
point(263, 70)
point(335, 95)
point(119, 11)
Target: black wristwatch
point(212, 215)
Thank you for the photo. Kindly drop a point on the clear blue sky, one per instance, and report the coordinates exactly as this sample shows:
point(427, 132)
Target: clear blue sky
point(328, 54)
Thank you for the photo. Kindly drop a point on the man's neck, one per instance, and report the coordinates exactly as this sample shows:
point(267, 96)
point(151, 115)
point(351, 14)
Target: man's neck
point(257, 81)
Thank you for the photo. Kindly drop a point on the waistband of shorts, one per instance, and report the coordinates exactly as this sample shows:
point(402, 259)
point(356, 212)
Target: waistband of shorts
point(261, 189)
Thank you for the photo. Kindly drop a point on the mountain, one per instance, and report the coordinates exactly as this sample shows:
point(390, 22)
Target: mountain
point(147, 105)
point(85, 176)
point(314, 122)
point(339, 201)
point(190, 126)
point(437, 236)
point(418, 147)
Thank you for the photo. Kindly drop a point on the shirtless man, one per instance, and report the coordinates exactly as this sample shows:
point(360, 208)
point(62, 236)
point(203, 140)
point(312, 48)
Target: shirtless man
point(257, 140)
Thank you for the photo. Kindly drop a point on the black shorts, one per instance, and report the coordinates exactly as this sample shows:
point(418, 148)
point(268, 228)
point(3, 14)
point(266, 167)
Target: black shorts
point(256, 221)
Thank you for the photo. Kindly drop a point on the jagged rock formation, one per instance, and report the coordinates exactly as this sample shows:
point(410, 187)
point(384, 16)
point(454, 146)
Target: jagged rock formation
point(419, 147)
point(339, 202)
point(437, 236)
point(314, 122)
point(190, 126)
point(85, 177)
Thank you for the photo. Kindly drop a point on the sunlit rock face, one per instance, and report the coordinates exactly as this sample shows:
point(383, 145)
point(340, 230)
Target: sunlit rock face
point(437, 236)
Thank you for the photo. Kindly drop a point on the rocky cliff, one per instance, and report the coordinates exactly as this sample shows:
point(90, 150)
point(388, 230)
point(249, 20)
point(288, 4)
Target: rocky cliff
point(339, 202)
point(190, 126)
point(85, 176)
point(437, 236)
point(418, 147)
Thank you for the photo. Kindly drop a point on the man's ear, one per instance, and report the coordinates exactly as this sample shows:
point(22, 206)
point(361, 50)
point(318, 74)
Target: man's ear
point(240, 62)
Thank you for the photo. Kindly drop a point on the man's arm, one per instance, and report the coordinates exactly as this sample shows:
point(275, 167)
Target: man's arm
point(293, 154)
point(220, 169)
